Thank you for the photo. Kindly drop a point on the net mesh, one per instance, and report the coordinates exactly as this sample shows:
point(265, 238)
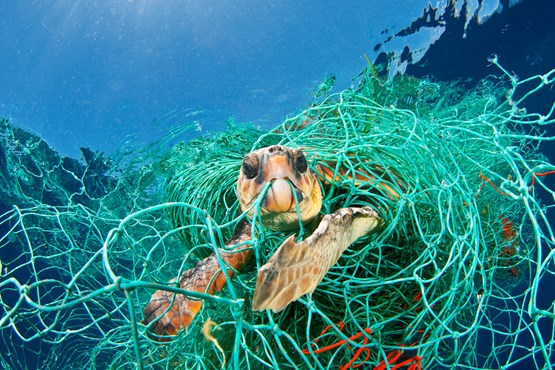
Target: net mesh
point(460, 276)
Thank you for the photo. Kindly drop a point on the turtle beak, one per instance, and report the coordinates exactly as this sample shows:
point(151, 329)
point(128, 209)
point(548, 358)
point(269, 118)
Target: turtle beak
point(280, 197)
point(280, 174)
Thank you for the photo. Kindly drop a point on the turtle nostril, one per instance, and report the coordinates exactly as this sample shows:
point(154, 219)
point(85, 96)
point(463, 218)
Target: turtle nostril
point(275, 148)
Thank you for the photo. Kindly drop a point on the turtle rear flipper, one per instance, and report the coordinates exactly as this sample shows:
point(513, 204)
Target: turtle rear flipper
point(167, 312)
point(297, 268)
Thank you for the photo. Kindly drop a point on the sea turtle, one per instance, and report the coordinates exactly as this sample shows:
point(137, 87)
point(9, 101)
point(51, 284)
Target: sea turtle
point(277, 181)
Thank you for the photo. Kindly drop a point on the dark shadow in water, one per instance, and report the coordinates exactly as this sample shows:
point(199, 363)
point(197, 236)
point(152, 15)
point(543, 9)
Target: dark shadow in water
point(523, 38)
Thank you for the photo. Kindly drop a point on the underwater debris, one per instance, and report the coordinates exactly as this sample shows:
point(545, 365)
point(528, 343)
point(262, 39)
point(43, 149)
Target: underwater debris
point(436, 278)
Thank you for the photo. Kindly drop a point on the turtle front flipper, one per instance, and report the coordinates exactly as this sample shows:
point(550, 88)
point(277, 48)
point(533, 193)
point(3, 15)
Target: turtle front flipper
point(168, 312)
point(297, 268)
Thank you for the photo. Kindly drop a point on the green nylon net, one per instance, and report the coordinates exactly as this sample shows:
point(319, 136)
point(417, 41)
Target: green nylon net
point(460, 276)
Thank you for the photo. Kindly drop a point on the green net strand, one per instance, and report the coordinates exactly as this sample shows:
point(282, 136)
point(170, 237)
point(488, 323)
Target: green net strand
point(459, 275)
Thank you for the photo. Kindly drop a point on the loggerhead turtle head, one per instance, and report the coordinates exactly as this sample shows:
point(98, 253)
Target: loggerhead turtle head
point(287, 172)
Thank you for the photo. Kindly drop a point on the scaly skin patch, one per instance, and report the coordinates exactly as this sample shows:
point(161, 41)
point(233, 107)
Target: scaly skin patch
point(167, 312)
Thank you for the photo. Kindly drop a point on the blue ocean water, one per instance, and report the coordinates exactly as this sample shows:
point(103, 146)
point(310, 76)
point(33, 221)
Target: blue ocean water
point(90, 73)
point(102, 74)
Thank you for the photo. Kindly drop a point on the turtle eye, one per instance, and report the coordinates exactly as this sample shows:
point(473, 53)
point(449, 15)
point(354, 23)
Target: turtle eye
point(250, 167)
point(300, 163)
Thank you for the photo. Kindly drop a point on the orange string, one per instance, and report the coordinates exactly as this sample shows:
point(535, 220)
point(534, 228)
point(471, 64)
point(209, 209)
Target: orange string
point(391, 358)
point(485, 179)
point(339, 343)
point(406, 362)
point(306, 351)
point(417, 364)
point(394, 356)
point(540, 174)
point(342, 342)
point(355, 356)
point(509, 232)
point(417, 296)
point(360, 350)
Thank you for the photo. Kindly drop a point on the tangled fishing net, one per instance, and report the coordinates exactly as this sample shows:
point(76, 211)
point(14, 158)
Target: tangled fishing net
point(460, 276)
